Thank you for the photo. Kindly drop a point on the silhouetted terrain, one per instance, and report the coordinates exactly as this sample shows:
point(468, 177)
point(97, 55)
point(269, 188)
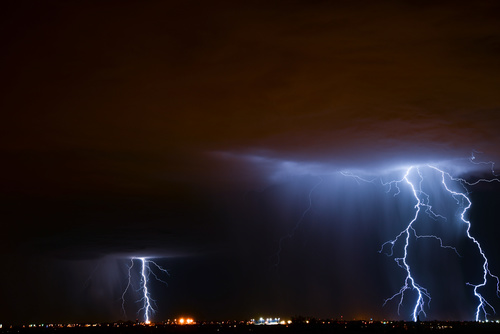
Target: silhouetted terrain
point(342, 327)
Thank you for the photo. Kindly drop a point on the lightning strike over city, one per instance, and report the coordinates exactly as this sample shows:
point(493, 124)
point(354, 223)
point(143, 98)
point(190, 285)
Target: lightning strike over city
point(146, 269)
point(292, 161)
point(421, 183)
point(414, 177)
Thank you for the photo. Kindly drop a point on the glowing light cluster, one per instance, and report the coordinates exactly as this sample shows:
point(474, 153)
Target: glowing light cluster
point(146, 270)
point(269, 321)
point(185, 321)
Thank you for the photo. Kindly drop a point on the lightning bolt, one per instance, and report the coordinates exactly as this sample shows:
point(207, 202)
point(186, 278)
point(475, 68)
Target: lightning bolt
point(297, 224)
point(409, 234)
point(483, 305)
point(472, 159)
point(413, 179)
point(410, 282)
point(147, 269)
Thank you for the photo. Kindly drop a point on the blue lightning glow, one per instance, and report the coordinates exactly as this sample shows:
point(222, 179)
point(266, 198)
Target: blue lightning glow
point(483, 304)
point(472, 159)
point(413, 179)
point(146, 271)
point(409, 282)
point(292, 232)
point(422, 201)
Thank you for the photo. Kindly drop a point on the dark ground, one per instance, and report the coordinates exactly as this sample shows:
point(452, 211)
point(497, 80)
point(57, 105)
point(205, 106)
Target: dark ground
point(346, 327)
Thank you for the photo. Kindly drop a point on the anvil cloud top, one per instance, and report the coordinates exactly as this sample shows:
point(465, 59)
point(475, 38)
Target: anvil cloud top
point(160, 129)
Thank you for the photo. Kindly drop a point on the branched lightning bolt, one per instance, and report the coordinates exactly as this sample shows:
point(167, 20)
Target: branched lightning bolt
point(292, 232)
point(413, 178)
point(472, 159)
point(483, 304)
point(409, 233)
point(129, 281)
point(145, 272)
point(410, 282)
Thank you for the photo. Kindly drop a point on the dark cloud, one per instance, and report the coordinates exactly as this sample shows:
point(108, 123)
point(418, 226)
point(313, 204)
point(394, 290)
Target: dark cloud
point(147, 127)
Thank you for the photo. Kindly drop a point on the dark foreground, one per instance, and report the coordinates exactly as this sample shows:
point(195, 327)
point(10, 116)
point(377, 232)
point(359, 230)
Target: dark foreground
point(242, 328)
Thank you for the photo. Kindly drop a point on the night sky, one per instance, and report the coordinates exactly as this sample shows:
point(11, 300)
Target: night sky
point(194, 131)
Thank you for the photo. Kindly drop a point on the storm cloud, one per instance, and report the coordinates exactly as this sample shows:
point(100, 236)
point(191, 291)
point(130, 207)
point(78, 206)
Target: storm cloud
point(170, 129)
